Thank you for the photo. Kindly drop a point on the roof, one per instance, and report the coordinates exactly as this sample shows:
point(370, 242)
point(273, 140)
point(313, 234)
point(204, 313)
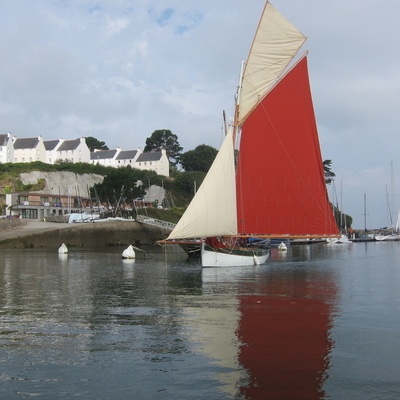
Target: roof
point(3, 140)
point(26, 143)
point(102, 154)
point(50, 144)
point(69, 145)
point(152, 156)
point(126, 155)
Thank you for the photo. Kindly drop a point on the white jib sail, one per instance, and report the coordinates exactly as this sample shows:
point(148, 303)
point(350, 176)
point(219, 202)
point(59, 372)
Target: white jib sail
point(275, 45)
point(212, 212)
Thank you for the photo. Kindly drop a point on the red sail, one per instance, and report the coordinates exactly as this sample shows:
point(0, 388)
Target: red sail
point(280, 179)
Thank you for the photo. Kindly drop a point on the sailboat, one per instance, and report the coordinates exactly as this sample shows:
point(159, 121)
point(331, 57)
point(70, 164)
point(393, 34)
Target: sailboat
point(392, 232)
point(276, 187)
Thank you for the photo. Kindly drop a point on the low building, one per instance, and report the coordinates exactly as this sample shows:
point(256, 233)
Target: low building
point(43, 205)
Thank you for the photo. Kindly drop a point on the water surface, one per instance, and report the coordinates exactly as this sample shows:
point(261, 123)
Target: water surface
point(320, 322)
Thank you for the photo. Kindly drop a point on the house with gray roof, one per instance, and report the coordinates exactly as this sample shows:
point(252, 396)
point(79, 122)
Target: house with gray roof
point(29, 150)
point(154, 161)
point(74, 151)
point(104, 157)
point(51, 146)
point(6, 148)
point(126, 157)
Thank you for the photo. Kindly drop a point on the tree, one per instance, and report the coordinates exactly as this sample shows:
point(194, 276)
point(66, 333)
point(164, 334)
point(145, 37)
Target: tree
point(329, 175)
point(199, 159)
point(165, 139)
point(188, 182)
point(95, 144)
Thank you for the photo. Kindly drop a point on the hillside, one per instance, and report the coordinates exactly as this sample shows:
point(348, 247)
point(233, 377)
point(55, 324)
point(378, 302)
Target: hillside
point(78, 178)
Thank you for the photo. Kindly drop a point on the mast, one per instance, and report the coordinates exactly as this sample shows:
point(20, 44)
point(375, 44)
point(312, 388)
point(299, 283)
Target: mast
point(237, 103)
point(393, 205)
point(365, 212)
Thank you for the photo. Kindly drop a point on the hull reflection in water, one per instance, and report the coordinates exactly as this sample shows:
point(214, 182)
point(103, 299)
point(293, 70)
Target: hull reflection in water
point(282, 332)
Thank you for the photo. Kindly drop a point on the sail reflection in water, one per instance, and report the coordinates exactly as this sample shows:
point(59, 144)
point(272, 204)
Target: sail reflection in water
point(282, 330)
point(285, 337)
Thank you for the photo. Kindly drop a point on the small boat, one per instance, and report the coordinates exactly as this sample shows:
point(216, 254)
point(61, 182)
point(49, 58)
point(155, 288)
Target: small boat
point(391, 236)
point(129, 253)
point(343, 239)
point(63, 249)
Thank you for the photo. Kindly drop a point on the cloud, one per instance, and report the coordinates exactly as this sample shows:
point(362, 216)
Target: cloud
point(115, 26)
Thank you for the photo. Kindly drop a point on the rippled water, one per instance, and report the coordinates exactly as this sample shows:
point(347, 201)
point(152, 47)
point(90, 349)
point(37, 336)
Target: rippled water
point(320, 322)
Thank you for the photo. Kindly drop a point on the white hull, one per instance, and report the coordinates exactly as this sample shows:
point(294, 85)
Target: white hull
point(342, 240)
point(213, 258)
point(386, 238)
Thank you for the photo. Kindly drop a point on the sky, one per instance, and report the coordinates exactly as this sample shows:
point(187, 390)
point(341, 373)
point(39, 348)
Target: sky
point(119, 69)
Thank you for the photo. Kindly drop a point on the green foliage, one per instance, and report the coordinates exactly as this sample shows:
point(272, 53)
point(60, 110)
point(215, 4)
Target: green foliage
point(95, 144)
point(172, 215)
point(329, 174)
point(187, 181)
point(15, 169)
point(165, 139)
point(199, 159)
point(342, 220)
point(125, 184)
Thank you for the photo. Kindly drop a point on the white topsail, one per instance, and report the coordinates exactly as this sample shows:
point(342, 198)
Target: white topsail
point(212, 212)
point(275, 45)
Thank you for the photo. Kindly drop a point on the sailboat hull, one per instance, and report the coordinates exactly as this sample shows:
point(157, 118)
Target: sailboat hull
point(387, 238)
point(211, 257)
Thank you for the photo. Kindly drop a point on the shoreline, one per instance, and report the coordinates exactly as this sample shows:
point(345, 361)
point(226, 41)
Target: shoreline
point(40, 234)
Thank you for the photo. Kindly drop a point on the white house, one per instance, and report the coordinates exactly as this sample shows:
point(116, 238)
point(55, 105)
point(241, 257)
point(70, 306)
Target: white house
point(29, 150)
point(6, 148)
point(74, 151)
point(154, 161)
point(51, 153)
point(126, 157)
point(104, 157)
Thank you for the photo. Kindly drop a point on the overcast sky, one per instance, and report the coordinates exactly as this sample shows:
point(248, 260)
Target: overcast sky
point(120, 69)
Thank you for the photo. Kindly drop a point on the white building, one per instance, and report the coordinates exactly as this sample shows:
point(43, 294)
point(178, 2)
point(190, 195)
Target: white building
point(126, 157)
point(6, 148)
point(29, 150)
point(104, 157)
point(74, 151)
point(51, 153)
point(154, 161)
